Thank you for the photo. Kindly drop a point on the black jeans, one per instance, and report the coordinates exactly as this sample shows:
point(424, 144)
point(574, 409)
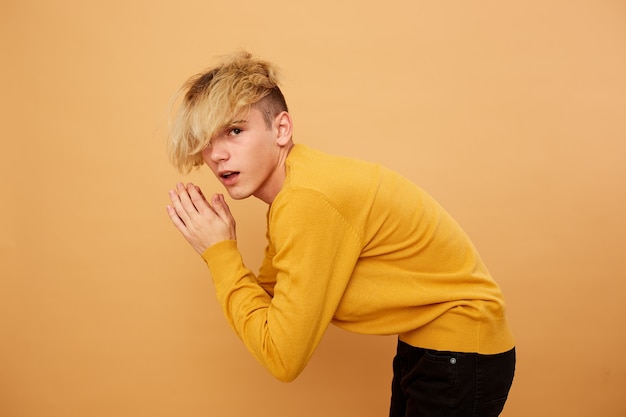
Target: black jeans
point(431, 383)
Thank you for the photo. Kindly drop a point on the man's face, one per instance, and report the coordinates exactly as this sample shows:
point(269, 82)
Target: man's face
point(246, 157)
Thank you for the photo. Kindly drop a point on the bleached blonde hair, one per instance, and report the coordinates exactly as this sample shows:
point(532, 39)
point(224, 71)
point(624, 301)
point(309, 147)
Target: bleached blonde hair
point(213, 98)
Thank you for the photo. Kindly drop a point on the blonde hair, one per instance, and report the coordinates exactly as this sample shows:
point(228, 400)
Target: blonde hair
point(213, 98)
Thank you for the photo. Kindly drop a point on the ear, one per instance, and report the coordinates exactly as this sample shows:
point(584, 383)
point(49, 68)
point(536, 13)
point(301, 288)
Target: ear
point(284, 128)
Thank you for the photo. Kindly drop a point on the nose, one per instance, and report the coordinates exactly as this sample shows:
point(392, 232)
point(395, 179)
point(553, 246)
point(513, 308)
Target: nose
point(215, 152)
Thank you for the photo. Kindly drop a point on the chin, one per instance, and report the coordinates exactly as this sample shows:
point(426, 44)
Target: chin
point(238, 196)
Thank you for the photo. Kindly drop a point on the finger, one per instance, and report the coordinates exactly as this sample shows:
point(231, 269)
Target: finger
point(180, 225)
point(231, 222)
point(179, 210)
point(221, 208)
point(197, 198)
point(185, 200)
point(201, 193)
point(225, 205)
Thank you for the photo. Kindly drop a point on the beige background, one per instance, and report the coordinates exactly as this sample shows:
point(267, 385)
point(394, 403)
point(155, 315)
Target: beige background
point(512, 114)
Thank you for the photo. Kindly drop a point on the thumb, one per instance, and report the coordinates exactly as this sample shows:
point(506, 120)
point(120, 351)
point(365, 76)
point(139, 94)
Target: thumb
point(221, 208)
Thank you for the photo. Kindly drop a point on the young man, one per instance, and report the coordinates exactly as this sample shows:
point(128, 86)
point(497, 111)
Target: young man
point(349, 243)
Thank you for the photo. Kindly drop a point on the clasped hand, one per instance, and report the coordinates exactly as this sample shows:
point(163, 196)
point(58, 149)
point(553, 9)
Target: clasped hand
point(202, 224)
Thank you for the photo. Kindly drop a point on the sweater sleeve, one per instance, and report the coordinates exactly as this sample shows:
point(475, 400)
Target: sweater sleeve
point(313, 252)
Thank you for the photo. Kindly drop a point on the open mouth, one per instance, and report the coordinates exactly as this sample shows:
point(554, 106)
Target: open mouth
point(229, 174)
point(229, 177)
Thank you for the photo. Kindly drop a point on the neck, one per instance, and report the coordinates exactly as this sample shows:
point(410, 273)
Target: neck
point(275, 184)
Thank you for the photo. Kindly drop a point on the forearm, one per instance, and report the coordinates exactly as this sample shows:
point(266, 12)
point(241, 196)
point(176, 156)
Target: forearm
point(271, 334)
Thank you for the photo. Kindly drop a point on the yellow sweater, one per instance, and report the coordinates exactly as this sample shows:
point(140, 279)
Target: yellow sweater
point(355, 244)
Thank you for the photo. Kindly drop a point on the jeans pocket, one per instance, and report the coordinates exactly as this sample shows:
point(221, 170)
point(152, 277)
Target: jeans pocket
point(432, 384)
point(494, 377)
point(440, 356)
point(490, 409)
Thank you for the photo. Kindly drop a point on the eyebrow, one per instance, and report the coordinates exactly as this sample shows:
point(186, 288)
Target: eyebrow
point(235, 122)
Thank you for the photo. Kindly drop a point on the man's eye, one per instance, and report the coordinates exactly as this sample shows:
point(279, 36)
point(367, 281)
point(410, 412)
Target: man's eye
point(235, 131)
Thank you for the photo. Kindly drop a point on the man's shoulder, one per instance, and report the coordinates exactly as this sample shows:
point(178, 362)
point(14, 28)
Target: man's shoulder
point(306, 165)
